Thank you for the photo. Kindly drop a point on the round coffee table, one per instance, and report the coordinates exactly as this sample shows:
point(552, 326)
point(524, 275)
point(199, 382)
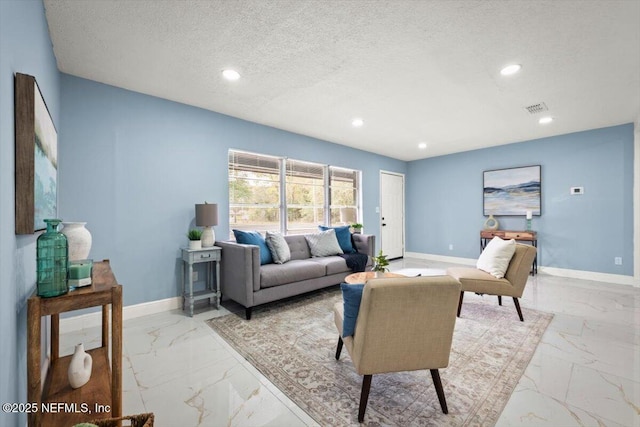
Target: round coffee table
point(363, 277)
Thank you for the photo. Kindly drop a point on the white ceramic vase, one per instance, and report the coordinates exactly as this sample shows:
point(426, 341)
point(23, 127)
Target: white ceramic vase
point(80, 367)
point(195, 244)
point(79, 239)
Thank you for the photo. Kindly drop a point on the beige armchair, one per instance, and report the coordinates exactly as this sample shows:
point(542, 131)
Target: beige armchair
point(512, 285)
point(404, 324)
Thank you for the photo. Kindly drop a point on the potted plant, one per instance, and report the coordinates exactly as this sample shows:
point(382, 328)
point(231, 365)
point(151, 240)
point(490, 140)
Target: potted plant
point(356, 228)
point(380, 263)
point(194, 236)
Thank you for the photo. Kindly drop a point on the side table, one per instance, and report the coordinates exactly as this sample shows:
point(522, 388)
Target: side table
point(212, 290)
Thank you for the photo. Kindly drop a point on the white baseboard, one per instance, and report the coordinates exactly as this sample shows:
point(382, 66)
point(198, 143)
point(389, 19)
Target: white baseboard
point(618, 279)
point(552, 271)
point(129, 312)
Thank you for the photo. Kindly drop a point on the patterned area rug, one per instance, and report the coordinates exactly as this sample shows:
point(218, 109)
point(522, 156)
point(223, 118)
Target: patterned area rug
point(293, 344)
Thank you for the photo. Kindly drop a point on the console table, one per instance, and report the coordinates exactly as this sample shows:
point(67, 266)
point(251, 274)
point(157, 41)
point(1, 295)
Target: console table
point(101, 397)
point(519, 236)
point(212, 290)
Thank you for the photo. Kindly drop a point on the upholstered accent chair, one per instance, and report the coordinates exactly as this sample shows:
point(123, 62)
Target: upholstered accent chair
point(403, 324)
point(511, 285)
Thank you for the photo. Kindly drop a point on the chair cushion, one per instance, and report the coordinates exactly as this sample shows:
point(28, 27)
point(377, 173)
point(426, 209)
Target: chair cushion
point(255, 238)
point(474, 280)
point(324, 243)
point(293, 271)
point(278, 247)
point(343, 234)
point(351, 296)
point(495, 257)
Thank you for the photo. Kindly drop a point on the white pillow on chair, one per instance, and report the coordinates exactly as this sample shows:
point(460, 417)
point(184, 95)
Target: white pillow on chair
point(496, 256)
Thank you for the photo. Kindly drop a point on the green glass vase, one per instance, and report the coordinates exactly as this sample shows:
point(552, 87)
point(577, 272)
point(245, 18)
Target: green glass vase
point(52, 259)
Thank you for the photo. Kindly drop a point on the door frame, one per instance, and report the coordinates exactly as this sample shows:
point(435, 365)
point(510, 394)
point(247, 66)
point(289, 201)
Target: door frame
point(404, 217)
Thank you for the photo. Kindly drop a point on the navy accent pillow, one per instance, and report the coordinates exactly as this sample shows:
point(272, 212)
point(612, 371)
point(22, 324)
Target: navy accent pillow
point(351, 295)
point(255, 238)
point(343, 234)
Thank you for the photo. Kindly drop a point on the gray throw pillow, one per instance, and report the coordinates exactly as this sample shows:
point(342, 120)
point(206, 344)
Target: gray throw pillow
point(324, 243)
point(278, 246)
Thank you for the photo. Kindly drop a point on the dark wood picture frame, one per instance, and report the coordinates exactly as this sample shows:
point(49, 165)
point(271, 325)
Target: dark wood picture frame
point(512, 191)
point(36, 158)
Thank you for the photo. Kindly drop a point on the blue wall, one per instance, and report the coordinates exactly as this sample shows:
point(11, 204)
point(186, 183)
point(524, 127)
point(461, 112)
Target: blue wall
point(585, 232)
point(133, 166)
point(25, 47)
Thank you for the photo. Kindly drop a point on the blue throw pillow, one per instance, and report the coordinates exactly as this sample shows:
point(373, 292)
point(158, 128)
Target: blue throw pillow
point(351, 295)
point(255, 238)
point(343, 234)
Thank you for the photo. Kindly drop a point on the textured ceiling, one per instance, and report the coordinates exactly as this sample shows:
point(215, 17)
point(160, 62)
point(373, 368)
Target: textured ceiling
point(413, 70)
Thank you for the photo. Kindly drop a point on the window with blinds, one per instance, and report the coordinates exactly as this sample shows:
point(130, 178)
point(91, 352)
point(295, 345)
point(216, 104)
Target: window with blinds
point(344, 190)
point(305, 184)
point(254, 191)
point(292, 196)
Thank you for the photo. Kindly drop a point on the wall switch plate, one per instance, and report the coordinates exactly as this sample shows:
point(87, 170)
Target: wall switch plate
point(450, 247)
point(576, 190)
point(194, 276)
point(618, 260)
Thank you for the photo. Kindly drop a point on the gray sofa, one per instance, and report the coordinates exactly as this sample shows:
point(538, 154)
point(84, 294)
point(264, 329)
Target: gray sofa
point(247, 282)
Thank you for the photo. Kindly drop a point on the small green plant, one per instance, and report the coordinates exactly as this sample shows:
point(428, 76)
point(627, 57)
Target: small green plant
point(194, 234)
point(357, 226)
point(380, 262)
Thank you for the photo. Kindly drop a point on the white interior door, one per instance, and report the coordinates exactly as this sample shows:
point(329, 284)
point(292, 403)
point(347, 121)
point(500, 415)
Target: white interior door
point(392, 214)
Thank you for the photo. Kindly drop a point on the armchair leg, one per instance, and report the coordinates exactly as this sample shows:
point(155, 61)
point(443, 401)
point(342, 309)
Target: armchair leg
point(247, 313)
point(439, 390)
point(339, 349)
point(515, 301)
point(499, 299)
point(364, 396)
point(460, 302)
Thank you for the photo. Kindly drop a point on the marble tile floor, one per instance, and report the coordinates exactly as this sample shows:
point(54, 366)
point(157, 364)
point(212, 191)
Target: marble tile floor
point(585, 372)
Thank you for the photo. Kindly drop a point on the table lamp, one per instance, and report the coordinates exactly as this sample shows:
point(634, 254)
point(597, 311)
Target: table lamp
point(207, 217)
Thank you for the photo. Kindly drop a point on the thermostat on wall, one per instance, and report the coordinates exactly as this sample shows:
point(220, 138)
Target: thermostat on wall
point(576, 190)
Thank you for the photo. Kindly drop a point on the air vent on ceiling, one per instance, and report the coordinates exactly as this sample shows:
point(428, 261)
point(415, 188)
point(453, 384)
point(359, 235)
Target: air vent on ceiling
point(536, 108)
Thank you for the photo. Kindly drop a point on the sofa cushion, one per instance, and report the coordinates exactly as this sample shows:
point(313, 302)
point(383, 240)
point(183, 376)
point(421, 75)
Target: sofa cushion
point(255, 238)
point(293, 271)
point(496, 256)
point(298, 246)
point(278, 246)
point(343, 234)
point(324, 243)
point(332, 264)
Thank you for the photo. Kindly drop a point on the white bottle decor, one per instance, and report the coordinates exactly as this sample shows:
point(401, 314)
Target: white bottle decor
point(80, 367)
point(79, 239)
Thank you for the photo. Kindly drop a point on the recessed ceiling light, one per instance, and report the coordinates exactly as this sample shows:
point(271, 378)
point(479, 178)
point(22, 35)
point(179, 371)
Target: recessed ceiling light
point(545, 120)
point(231, 75)
point(422, 145)
point(510, 69)
point(356, 123)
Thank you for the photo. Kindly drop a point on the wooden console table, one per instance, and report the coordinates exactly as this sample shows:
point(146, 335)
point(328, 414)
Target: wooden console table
point(101, 397)
point(519, 236)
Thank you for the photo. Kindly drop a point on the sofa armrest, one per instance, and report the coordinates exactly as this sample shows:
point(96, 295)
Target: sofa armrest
point(365, 243)
point(240, 271)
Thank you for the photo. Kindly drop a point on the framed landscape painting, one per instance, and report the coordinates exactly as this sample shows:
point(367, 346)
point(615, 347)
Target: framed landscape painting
point(512, 191)
point(36, 157)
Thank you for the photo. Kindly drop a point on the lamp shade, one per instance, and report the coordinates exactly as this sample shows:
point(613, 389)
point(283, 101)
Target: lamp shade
point(207, 214)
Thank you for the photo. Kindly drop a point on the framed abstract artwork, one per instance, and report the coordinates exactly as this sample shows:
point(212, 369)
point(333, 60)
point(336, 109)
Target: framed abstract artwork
point(512, 191)
point(36, 157)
